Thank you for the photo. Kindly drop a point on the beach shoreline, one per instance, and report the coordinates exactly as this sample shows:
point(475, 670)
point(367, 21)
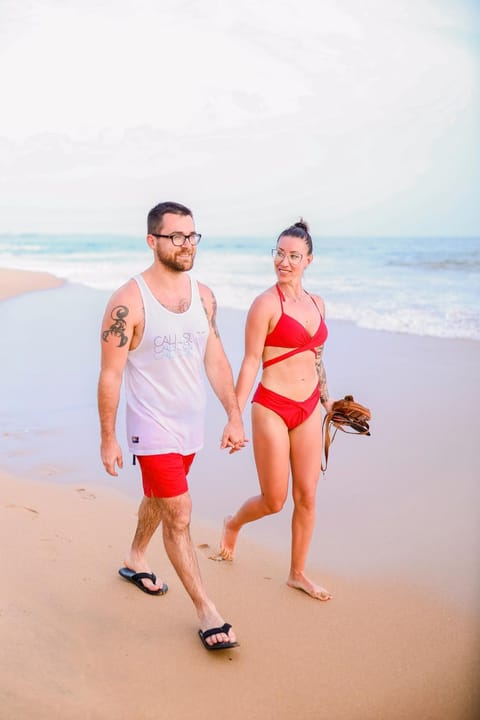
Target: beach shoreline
point(396, 514)
point(17, 282)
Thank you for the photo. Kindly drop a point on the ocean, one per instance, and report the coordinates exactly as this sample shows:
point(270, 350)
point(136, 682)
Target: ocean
point(421, 286)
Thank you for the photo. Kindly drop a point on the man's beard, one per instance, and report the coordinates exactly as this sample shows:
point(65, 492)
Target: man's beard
point(180, 264)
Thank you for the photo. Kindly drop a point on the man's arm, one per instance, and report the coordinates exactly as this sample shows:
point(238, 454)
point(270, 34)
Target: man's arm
point(116, 337)
point(220, 376)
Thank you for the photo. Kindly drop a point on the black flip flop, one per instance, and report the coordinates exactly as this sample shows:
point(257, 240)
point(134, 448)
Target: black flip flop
point(136, 579)
point(217, 631)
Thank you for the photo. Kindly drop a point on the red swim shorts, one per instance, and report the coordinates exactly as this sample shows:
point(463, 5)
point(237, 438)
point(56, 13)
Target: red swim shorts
point(165, 476)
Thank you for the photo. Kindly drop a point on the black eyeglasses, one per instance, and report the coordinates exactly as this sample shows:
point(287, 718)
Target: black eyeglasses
point(179, 239)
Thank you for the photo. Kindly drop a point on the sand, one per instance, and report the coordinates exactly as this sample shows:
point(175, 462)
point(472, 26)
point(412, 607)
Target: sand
point(397, 543)
point(14, 282)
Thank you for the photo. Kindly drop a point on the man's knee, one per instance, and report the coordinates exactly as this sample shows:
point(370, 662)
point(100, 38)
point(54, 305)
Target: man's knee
point(177, 513)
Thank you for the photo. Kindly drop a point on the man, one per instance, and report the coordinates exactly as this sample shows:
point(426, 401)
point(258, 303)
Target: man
point(159, 330)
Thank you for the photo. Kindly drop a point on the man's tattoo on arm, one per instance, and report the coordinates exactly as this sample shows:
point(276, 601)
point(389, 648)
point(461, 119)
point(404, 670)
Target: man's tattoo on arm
point(212, 320)
point(214, 316)
point(117, 328)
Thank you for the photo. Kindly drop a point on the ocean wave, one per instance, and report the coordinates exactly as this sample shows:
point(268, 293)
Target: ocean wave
point(470, 265)
point(421, 290)
point(453, 324)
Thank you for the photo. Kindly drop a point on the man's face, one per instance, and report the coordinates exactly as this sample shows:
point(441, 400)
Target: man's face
point(178, 259)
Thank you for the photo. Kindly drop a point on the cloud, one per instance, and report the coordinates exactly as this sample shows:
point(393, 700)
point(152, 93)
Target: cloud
point(328, 109)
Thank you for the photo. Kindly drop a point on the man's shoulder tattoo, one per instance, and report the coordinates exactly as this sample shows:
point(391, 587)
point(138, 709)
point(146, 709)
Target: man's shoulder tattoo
point(213, 319)
point(117, 328)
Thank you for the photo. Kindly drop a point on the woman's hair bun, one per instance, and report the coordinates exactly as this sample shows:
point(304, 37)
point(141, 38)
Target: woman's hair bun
point(302, 224)
point(299, 230)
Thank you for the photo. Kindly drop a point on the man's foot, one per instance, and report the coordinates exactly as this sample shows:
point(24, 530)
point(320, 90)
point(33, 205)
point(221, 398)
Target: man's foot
point(139, 565)
point(139, 579)
point(227, 542)
point(215, 632)
point(300, 582)
point(222, 636)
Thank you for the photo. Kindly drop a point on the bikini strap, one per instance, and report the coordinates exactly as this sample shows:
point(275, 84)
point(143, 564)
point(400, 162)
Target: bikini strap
point(290, 353)
point(315, 303)
point(280, 295)
point(284, 356)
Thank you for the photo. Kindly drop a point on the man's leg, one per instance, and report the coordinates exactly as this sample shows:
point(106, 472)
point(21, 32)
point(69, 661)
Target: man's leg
point(175, 513)
point(149, 518)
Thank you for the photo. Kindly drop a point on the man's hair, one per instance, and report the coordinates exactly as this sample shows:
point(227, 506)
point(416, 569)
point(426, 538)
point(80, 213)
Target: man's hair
point(155, 216)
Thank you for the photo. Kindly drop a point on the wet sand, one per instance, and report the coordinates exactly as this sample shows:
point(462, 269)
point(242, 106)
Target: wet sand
point(397, 542)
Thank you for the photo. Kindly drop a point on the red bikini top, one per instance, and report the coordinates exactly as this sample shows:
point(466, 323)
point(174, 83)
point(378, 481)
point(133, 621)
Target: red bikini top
point(290, 333)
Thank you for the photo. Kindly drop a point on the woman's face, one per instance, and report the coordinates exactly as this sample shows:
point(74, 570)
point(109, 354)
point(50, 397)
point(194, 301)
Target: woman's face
point(291, 258)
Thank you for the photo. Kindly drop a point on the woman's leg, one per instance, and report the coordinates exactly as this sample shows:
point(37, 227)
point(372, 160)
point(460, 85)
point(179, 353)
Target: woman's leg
point(271, 450)
point(305, 459)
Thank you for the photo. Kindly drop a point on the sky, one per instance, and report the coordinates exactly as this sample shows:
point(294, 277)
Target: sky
point(362, 116)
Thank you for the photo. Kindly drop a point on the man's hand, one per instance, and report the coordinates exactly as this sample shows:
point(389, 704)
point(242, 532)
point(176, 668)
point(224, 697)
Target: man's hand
point(233, 436)
point(111, 455)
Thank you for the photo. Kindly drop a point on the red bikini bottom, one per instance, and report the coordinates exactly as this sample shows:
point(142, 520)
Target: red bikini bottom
point(292, 412)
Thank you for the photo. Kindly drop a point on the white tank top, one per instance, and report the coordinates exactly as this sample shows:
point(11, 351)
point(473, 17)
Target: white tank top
point(164, 378)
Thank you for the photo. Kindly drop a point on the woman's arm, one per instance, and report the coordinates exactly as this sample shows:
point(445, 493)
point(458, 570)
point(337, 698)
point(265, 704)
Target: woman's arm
point(322, 379)
point(320, 367)
point(256, 329)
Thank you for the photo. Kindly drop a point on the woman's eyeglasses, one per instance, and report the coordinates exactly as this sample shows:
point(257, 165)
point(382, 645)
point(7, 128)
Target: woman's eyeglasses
point(294, 258)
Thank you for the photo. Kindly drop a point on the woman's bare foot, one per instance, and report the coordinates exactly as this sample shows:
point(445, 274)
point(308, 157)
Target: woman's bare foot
point(227, 543)
point(300, 582)
point(139, 564)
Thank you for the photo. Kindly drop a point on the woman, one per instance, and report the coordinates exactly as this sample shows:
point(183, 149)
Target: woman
point(286, 330)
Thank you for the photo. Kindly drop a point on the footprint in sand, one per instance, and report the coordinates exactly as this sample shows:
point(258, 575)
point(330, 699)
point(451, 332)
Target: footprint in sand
point(84, 494)
point(23, 507)
point(50, 471)
point(205, 548)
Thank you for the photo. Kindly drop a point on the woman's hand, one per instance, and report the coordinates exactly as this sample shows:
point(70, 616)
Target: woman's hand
point(328, 404)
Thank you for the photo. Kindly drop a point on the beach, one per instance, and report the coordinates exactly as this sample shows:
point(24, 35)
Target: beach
point(397, 541)
point(14, 282)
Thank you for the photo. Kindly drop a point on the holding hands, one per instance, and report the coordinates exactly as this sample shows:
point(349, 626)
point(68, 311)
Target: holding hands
point(233, 436)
